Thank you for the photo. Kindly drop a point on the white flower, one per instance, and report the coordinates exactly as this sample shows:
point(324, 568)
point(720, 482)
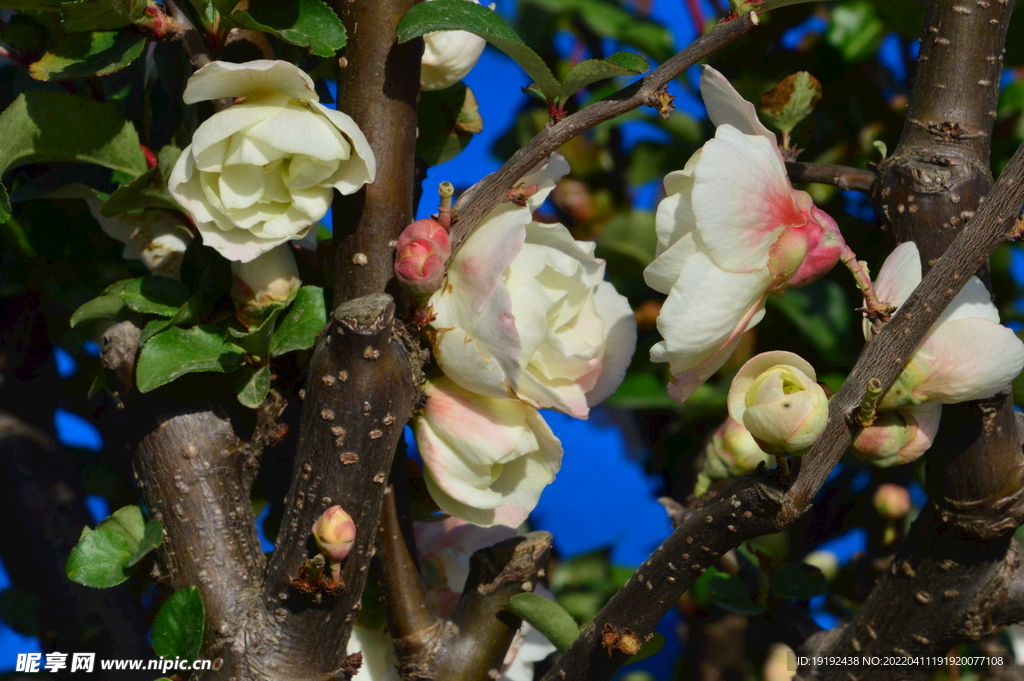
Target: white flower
point(730, 231)
point(485, 460)
point(259, 173)
point(775, 396)
point(448, 56)
point(525, 312)
point(258, 285)
point(156, 237)
point(967, 354)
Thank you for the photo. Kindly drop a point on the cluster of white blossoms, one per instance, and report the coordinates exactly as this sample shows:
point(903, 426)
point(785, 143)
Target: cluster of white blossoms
point(524, 320)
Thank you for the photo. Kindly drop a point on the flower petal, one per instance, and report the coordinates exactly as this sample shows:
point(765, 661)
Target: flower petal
point(619, 341)
point(756, 366)
point(361, 167)
point(252, 79)
point(726, 107)
point(967, 359)
point(741, 199)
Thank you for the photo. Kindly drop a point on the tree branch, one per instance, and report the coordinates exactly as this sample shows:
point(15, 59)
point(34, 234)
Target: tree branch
point(759, 504)
point(474, 206)
point(844, 177)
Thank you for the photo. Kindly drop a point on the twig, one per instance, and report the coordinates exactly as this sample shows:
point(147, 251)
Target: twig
point(844, 177)
point(494, 188)
point(759, 504)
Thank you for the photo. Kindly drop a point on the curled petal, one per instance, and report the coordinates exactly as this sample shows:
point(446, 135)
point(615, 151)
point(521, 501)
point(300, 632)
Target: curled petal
point(726, 107)
point(252, 79)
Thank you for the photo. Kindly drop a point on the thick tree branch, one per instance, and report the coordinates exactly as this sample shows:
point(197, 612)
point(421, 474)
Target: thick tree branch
point(843, 177)
point(473, 207)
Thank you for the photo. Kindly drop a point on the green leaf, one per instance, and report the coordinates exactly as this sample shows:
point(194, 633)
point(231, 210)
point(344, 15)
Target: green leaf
point(548, 617)
point(103, 307)
point(252, 385)
point(52, 126)
point(152, 295)
point(178, 627)
point(463, 15)
point(148, 190)
point(103, 556)
point(5, 204)
point(448, 119)
point(791, 101)
point(822, 314)
point(152, 537)
point(307, 23)
point(302, 322)
point(856, 30)
point(608, 18)
point(188, 313)
point(731, 593)
point(24, 33)
point(176, 352)
point(101, 15)
point(81, 55)
point(798, 581)
point(592, 70)
point(628, 243)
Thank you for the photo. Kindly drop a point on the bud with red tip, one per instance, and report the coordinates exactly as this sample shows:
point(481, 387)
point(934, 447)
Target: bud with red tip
point(423, 248)
point(335, 534)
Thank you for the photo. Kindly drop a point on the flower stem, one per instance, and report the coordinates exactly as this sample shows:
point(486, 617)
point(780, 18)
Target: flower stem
point(444, 211)
point(866, 415)
point(877, 311)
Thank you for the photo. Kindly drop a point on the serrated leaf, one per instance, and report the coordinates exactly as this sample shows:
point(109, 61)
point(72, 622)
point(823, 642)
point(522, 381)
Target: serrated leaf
point(447, 121)
point(463, 15)
point(252, 385)
point(41, 5)
point(103, 307)
point(731, 593)
point(178, 627)
point(188, 313)
point(176, 352)
point(592, 70)
point(82, 55)
point(798, 581)
point(151, 295)
point(791, 101)
point(302, 322)
point(548, 617)
point(44, 126)
point(101, 15)
point(103, 556)
point(307, 23)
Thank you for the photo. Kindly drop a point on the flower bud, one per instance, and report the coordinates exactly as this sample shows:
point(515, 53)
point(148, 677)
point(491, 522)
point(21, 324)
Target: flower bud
point(774, 395)
point(423, 248)
point(448, 56)
point(730, 451)
point(899, 436)
point(335, 534)
point(271, 279)
point(892, 501)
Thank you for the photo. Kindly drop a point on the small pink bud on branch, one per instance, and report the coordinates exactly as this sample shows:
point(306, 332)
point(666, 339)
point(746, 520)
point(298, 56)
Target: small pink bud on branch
point(335, 533)
point(423, 248)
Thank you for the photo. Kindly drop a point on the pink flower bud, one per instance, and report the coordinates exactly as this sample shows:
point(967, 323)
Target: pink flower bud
point(892, 501)
point(805, 253)
point(423, 248)
point(899, 436)
point(335, 534)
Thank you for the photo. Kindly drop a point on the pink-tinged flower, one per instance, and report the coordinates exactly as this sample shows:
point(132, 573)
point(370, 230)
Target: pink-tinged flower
point(775, 396)
point(335, 533)
point(486, 460)
point(967, 354)
point(898, 436)
point(261, 172)
point(526, 313)
point(422, 250)
point(730, 451)
point(730, 231)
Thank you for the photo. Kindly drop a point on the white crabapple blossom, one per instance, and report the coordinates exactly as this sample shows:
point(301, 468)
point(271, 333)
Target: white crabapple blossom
point(448, 56)
point(966, 355)
point(730, 231)
point(262, 171)
point(776, 397)
point(486, 460)
point(156, 237)
point(525, 312)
